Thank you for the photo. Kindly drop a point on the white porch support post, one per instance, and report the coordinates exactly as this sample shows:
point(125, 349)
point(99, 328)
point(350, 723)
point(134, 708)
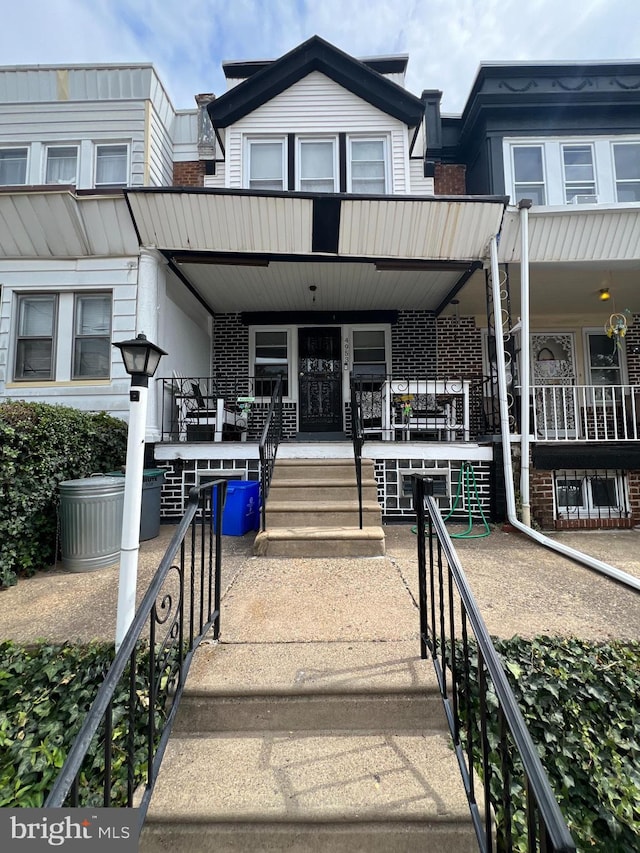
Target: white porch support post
point(525, 337)
point(150, 268)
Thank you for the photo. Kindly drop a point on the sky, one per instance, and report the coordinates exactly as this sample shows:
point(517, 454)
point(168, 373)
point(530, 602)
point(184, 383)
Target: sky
point(446, 40)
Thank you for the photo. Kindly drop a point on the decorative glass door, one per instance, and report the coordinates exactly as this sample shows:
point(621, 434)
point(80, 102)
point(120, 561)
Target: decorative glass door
point(320, 380)
point(553, 369)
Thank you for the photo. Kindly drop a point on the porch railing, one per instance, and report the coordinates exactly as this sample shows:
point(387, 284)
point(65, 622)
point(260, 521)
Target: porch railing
point(269, 441)
point(191, 407)
point(357, 436)
point(586, 412)
point(444, 636)
point(143, 687)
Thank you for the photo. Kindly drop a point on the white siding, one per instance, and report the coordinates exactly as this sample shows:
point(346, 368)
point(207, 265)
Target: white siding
point(160, 152)
point(316, 104)
point(419, 185)
point(185, 136)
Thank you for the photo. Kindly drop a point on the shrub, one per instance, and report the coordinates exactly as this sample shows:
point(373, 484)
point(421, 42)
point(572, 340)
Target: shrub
point(40, 446)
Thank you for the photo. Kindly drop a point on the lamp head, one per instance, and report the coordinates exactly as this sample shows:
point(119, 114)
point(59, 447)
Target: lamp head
point(140, 356)
point(604, 295)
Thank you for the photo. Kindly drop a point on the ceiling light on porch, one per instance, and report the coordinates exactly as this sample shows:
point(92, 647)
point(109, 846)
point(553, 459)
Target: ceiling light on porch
point(312, 289)
point(604, 294)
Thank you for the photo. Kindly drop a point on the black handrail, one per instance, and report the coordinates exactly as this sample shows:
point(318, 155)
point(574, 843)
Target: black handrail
point(357, 436)
point(451, 656)
point(183, 601)
point(269, 441)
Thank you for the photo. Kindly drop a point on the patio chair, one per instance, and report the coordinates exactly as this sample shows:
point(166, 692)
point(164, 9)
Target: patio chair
point(206, 417)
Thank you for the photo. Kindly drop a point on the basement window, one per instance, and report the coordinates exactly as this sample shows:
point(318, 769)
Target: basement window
point(591, 494)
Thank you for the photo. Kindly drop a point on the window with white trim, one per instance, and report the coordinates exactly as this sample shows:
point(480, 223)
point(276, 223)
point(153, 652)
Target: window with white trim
point(528, 173)
point(271, 358)
point(92, 336)
point(35, 352)
point(579, 174)
point(317, 165)
point(369, 352)
point(13, 166)
point(367, 166)
point(112, 166)
point(604, 362)
point(626, 159)
point(593, 494)
point(266, 165)
point(61, 164)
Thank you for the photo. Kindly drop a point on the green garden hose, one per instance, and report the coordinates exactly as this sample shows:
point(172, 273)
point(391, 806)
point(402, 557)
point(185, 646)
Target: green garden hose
point(468, 475)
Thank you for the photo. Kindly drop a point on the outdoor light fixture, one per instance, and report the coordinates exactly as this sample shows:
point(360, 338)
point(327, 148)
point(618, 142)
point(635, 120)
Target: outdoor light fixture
point(141, 359)
point(604, 294)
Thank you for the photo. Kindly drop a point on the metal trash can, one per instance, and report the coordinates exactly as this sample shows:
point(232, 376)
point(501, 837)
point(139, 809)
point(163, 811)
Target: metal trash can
point(91, 522)
point(152, 479)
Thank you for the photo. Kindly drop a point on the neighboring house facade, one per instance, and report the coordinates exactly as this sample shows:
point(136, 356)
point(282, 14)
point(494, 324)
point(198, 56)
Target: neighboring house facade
point(319, 222)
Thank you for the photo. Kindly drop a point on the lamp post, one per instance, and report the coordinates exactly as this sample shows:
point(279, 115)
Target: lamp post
point(141, 359)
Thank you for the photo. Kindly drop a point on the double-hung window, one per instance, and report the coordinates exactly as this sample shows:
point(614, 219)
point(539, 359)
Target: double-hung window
point(369, 355)
point(579, 175)
point(266, 164)
point(317, 168)
point(367, 166)
point(92, 336)
point(13, 166)
point(271, 359)
point(626, 158)
point(528, 173)
point(112, 165)
point(35, 351)
point(603, 360)
point(62, 164)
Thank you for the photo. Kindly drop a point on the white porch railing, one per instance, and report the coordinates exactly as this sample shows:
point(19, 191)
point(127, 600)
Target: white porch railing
point(586, 412)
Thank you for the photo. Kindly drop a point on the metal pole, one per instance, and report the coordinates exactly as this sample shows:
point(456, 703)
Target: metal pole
point(525, 394)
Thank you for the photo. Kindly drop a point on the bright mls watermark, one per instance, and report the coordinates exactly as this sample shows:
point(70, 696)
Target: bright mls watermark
point(70, 830)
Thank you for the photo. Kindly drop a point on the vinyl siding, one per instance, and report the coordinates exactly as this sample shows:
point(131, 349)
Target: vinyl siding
point(419, 185)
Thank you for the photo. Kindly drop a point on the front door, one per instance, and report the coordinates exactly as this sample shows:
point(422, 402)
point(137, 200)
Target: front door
point(320, 380)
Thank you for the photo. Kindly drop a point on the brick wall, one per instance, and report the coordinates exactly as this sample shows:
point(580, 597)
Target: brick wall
point(188, 174)
point(413, 345)
point(450, 179)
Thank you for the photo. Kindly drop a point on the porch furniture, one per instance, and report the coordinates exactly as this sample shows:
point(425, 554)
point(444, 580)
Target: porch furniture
point(408, 418)
point(435, 408)
point(207, 417)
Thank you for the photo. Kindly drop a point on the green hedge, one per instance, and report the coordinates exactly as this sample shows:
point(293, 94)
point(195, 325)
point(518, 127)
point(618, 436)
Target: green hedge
point(40, 446)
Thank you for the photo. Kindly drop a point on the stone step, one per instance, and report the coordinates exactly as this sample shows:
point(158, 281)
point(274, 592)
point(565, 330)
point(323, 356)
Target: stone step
point(314, 470)
point(320, 541)
point(318, 513)
point(342, 792)
point(326, 490)
point(310, 686)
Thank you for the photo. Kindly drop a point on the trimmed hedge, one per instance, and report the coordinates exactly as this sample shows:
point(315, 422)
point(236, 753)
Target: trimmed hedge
point(40, 446)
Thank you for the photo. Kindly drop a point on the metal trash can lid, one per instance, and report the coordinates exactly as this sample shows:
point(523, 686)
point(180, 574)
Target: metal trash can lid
point(87, 484)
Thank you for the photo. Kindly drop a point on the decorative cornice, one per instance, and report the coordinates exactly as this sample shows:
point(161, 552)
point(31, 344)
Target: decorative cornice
point(577, 88)
point(503, 84)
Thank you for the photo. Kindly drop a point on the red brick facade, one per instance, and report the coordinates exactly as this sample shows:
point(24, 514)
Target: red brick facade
point(450, 179)
point(188, 174)
point(541, 494)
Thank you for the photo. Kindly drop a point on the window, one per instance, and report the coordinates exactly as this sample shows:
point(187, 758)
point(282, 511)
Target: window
point(13, 166)
point(317, 165)
point(266, 167)
point(369, 357)
point(34, 345)
point(270, 361)
point(590, 494)
point(603, 360)
point(579, 177)
point(62, 162)
point(368, 166)
point(626, 159)
point(111, 165)
point(528, 173)
point(92, 337)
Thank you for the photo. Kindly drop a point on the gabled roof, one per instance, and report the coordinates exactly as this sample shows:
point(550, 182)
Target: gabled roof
point(316, 54)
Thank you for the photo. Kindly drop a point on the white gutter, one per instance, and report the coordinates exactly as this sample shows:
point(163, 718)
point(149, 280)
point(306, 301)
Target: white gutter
point(571, 553)
point(524, 206)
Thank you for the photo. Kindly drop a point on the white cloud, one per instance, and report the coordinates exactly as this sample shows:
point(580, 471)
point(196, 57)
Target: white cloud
point(445, 39)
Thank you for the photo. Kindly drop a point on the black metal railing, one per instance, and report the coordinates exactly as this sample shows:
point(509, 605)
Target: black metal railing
point(143, 687)
point(471, 701)
point(269, 441)
point(190, 407)
point(357, 437)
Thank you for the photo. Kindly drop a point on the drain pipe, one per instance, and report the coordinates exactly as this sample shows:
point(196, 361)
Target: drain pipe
point(523, 207)
point(571, 553)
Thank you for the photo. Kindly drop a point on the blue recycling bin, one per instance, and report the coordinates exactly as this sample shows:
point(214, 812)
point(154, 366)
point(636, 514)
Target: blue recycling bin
point(241, 511)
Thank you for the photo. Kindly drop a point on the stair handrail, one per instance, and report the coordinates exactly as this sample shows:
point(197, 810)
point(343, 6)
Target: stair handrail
point(543, 811)
point(269, 441)
point(357, 437)
point(185, 615)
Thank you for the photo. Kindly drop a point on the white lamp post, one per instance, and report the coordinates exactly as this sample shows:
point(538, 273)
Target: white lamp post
point(141, 359)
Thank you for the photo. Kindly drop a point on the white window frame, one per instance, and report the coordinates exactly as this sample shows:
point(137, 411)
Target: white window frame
point(106, 335)
point(45, 163)
point(27, 150)
point(249, 141)
point(586, 508)
point(385, 329)
point(568, 185)
point(515, 184)
point(22, 298)
point(622, 367)
point(290, 337)
point(615, 144)
point(385, 153)
point(300, 142)
point(111, 144)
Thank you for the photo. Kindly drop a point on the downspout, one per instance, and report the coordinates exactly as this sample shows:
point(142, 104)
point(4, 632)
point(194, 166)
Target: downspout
point(571, 553)
point(524, 206)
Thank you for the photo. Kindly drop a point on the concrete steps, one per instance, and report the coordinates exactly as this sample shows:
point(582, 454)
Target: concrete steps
point(312, 511)
point(309, 747)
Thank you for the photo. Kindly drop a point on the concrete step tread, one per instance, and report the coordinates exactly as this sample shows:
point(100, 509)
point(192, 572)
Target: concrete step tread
point(323, 533)
point(318, 505)
point(309, 776)
point(319, 461)
point(333, 482)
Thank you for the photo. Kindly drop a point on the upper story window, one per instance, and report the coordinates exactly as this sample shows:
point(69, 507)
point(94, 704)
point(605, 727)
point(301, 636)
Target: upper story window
point(37, 317)
point(266, 164)
point(579, 173)
point(112, 165)
point(528, 173)
point(626, 157)
point(13, 166)
point(604, 364)
point(368, 166)
point(92, 336)
point(62, 164)
point(317, 165)
point(271, 359)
